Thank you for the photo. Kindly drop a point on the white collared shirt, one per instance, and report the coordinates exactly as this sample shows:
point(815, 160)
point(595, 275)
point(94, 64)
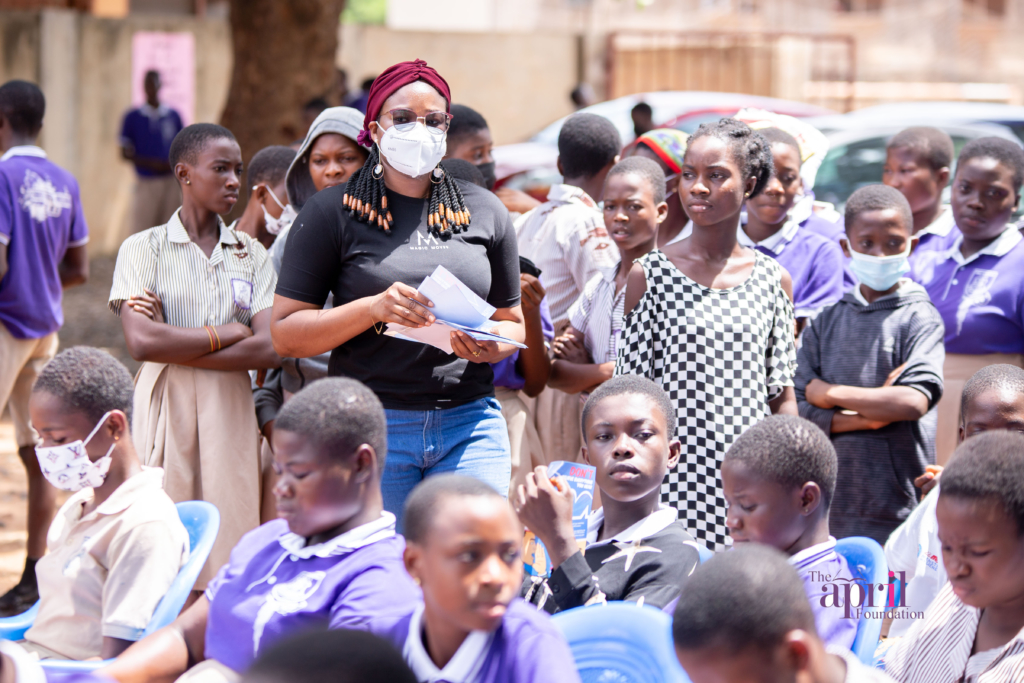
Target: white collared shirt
point(942, 224)
point(464, 667)
point(233, 284)
point(1006, 241)
point(354, 539)
point(776, 243)
point(645, 528)
point(598, 315)
point(816, 553)
point(23, 151)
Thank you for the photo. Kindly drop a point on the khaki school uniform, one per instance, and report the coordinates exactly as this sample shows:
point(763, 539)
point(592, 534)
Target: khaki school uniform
point(199, 425)
point(104, 573)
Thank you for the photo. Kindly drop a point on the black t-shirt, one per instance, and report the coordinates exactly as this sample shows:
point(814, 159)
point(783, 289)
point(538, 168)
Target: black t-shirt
point(327, 253)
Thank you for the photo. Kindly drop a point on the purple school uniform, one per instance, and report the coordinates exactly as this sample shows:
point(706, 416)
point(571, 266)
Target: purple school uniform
point(981, 299)
point(814, 262)
point(40, 219)
point(525, 648)
point(273, 587)
point(820, 566)
point(933, 243)
point(505, 373)
point(834, 231)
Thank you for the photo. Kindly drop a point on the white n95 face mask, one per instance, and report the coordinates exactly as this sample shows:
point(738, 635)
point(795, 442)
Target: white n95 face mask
point(275, 226)
point(68, 466)
point(414, 152)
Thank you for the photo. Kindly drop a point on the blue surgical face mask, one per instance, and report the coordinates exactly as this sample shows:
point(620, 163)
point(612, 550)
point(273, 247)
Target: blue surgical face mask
point(880, 273)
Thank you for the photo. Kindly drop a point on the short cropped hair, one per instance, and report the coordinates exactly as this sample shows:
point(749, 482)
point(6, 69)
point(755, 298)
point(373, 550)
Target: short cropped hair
point(338, 414)
point(270, 164)
point(621, 385)
point(336, 655)
point(1004, 151)
point(878, 197)
point(930, 145)
point(789, 451)
point(586, 144)
point(190, 142)
point(750, 149)
point(465, 121)
point(642, 108)
point(989, 466)
point(23, 105)
point(749, 596)
point(998, 376)
point(778, 136)
point(422, 504)
point(89, 381)
point(463, 170)
point(648, 169)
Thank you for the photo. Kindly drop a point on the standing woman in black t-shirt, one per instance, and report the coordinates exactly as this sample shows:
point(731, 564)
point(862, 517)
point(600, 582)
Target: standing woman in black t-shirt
point(371, 243)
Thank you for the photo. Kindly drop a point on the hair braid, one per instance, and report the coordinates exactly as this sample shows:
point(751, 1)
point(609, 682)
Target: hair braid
point(366, 201)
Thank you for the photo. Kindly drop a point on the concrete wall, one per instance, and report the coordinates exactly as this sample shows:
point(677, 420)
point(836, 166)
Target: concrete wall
point(83, 65)
point(520, 82)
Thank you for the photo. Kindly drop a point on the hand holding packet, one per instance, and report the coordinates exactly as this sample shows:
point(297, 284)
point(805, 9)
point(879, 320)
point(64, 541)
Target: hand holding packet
point(581, 479)
point(456, 307)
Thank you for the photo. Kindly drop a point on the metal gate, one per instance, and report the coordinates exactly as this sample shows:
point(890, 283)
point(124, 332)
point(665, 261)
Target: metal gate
point(769, 64)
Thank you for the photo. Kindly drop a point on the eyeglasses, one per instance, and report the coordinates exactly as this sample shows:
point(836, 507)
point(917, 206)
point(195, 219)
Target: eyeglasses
point(405, 119)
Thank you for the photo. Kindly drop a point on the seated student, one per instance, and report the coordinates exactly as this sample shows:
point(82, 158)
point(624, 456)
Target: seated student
point(979, 285)
point(463, 550)
point(637, 550)
point(779, 477)
point(993, 398)
point(338, 656)
point(117, 544)
point(267, 213)
point(869, 372)
point(634, 207)
point(974, 629)
point(333, 558)
point(743, 617)
point(815, 262)
point(917, 163)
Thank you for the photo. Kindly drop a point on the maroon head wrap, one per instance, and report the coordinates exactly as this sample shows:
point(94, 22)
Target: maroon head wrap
point(385, 85)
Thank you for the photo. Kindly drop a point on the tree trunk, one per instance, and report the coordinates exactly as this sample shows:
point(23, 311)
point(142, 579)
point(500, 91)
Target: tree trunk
point(284, 54)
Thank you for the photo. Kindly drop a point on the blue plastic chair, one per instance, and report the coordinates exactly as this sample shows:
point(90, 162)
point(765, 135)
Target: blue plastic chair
point(867, 562)
point(621, 643)
point(202, 521)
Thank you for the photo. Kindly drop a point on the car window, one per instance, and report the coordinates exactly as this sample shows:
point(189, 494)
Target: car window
point(856, 164)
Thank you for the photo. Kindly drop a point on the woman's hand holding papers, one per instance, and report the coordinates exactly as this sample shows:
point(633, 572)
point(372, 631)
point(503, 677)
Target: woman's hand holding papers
point(403, 305)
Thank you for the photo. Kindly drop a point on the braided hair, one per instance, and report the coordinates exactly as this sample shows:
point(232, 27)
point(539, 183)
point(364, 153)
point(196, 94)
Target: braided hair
point(366, 200)
point(751, 151)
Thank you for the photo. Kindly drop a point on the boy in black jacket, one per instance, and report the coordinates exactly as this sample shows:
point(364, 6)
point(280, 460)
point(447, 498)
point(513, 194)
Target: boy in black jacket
point(636, 550)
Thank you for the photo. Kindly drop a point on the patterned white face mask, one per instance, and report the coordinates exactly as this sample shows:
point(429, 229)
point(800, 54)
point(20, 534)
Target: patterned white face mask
point(68, 466)
point(275, 226)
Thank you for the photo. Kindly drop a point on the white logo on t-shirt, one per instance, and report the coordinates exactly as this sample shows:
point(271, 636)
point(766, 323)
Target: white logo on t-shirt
point(41, 199)
point(976, 293)
point(428, 241)
point(285, 598)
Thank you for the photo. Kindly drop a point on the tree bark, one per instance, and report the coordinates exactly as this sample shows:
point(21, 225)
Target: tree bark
point(284, 53)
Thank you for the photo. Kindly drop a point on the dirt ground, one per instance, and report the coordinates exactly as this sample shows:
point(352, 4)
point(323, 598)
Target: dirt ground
point(86, 321)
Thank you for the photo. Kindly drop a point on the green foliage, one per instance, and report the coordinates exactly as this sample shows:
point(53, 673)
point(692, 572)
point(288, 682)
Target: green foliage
point(365, 12)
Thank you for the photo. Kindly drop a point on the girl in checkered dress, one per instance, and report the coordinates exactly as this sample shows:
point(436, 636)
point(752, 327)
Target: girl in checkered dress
point(712, 321)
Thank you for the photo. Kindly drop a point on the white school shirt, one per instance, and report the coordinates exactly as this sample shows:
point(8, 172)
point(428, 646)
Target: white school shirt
point(566, 238)
point(464, 667)
point(914, 548)
point(598, 314)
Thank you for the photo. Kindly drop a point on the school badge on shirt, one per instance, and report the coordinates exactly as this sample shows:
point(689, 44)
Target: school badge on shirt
point(242, 290)
point(41, 199)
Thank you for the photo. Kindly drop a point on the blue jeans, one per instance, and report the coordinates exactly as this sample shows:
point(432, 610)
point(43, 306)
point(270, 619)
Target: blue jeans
point(471, 439)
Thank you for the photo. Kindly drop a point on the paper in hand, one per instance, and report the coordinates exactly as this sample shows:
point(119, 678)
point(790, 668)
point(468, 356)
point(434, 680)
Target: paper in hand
point(456, 307)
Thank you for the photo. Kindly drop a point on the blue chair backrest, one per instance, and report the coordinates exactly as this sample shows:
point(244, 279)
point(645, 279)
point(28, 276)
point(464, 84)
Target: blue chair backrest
point(621, 643)
point(867, 562)
point(202, 521)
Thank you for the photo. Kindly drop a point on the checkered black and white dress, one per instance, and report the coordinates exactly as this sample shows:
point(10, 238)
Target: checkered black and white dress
point(721, 354)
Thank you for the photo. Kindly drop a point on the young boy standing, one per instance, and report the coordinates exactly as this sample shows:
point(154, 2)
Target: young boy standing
point(869, 372)
point(917, 163)
point(42, 252)
point(779, 478)
point(566, 238)
point(637, 550)
point(634, 207)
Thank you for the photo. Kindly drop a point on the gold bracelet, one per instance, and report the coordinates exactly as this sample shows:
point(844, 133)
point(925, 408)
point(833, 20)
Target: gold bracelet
point(219, 344)
point(210, 335)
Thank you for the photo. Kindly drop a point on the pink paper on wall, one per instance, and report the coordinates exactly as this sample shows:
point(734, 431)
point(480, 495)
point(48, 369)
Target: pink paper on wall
point(174, 56)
